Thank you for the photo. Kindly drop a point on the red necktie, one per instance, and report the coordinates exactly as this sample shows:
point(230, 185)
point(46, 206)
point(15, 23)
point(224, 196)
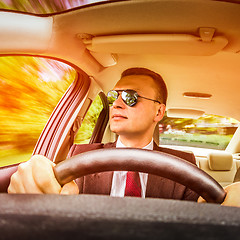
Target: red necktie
point(133, 185)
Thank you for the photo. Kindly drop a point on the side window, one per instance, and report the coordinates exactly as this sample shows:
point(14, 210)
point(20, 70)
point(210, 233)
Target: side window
point(30, 88)
point(86, 130)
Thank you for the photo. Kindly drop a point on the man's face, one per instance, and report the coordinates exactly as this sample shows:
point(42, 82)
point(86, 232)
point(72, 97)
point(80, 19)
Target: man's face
point(140, 119)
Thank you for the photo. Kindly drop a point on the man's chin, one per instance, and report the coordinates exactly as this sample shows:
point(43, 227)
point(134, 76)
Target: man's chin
point(117, 130)
point(119, 127)
point(114, 130)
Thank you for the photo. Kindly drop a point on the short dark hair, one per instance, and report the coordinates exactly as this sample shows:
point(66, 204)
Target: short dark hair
point(161, 86)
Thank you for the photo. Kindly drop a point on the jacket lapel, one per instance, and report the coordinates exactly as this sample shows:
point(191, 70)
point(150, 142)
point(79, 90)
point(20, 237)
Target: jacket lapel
point(160, 187)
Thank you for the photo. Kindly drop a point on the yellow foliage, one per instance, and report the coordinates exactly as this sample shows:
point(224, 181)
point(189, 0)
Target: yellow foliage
point(30, 88)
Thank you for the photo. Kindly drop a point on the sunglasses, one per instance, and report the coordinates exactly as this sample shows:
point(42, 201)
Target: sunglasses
point(129, 97)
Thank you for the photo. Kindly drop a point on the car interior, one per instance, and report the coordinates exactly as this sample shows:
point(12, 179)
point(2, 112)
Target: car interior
point(193, 45)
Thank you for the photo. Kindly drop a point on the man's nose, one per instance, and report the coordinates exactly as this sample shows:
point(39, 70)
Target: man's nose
point(118, 103)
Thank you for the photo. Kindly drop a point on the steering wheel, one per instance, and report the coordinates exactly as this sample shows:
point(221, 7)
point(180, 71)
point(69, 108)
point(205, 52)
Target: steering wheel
point(141, 160)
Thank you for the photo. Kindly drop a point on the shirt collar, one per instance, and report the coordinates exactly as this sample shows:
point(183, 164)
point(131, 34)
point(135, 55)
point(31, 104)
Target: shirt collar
point(119, 144)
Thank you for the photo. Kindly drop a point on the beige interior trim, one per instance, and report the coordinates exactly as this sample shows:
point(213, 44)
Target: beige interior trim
point(24, 33)
point(220, 161)
point(234, 144)
point(176, 44)
point(184, 113)
point(105, 59)
point(223, 177)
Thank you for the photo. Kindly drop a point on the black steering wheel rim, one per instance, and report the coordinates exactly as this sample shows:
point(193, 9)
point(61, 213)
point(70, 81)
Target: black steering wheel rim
point(140, 160)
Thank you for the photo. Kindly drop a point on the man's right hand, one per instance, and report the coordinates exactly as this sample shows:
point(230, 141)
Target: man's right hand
point(37, 176)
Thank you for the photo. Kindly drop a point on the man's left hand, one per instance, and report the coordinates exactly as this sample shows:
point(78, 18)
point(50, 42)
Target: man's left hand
point(232, 195)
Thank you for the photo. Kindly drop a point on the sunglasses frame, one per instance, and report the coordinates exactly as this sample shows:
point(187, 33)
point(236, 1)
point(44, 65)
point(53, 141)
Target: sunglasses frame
point(134, 94)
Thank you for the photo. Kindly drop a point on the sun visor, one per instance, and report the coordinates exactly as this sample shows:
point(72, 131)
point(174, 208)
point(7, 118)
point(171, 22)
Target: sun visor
point(105, 59)
point(175, 44)
point(184, 113)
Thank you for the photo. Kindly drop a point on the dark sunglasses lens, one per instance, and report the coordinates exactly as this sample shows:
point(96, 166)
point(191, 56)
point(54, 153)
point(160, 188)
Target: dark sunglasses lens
point(129, 97)
point(111, 97)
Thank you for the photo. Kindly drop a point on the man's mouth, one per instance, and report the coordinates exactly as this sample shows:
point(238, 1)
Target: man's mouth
point(118, 116)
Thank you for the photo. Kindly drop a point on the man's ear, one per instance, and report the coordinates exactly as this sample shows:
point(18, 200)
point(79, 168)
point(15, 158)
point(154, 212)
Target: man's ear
point(160, 113)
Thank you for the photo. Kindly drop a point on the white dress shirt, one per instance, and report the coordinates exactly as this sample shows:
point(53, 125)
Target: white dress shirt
point(119, 177)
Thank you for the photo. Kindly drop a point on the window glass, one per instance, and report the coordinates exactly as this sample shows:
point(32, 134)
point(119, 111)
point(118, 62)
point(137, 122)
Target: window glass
point(208, 131)
point(85, 132)
point(44, 6)
point(30, 88)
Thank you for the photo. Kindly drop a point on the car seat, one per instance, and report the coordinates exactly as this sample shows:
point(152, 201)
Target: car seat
point(221, 166)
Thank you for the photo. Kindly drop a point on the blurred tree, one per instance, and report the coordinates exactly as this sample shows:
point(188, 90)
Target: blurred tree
point(43, 6)
point(89, 122)
point(30, 89)
point(206, 123)
point(177, 123)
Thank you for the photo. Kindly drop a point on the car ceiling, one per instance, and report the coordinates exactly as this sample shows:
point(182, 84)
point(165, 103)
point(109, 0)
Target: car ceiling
point(187, 67)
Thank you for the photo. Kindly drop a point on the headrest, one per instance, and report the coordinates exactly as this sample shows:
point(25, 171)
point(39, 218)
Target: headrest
point(220, 161)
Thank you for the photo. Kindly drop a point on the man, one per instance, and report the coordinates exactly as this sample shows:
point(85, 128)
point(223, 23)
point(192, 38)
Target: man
point(137, 105)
